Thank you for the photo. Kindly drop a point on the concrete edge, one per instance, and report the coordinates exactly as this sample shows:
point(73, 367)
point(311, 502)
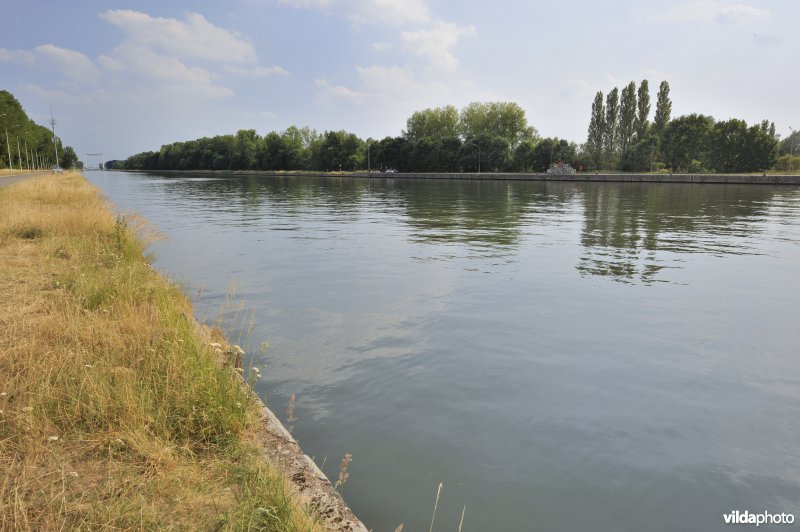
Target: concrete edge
point(308, 483)
point(738, 179)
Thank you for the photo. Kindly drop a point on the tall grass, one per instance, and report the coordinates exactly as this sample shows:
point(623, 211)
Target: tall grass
point(114, 410)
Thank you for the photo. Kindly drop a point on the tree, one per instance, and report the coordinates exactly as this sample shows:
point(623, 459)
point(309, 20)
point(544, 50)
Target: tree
point(611, 131)
point(594, 142)
point(502, 120)
point(734, 147)
point(727, 145)
point(436, 123)
point(550, 151)
point(337, 151)
point(685, 142)
point(791, 144)
point(663, 109)
point(643, 108)
point(641, 155)
point(627, 116)
point(69, 159)
point(761, 151)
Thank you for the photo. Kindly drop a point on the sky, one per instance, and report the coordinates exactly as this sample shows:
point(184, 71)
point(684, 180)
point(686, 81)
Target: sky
point(126, 77)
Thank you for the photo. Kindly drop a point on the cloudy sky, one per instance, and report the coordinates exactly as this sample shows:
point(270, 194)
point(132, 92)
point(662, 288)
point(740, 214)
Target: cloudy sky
point(126, 77)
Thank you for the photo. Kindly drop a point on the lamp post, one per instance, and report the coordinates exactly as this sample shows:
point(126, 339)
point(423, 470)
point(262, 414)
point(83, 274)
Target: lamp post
point(479, 156)
point(369, 162)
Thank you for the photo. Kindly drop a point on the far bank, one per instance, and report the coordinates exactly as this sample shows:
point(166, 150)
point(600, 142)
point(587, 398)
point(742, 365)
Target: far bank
point(737, 179)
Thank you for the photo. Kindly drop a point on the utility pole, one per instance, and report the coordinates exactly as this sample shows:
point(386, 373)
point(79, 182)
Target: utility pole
point(53, 125)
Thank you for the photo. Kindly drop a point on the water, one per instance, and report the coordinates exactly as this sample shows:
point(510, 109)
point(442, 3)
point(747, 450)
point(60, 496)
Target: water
point(561, 356)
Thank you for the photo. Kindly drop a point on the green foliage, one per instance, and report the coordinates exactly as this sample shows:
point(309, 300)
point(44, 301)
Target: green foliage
point(788, 163)
point(594, 143)
point(663, 109)
point(69, 159)
point(501, 120)
point(551, 151)
point(337, 151)
point(627, 116)
point(686, 139)
point(643, 109)
point(611, 129)
point(433, 124)
point(791, 144)
point(641, 155)
point(25, 140)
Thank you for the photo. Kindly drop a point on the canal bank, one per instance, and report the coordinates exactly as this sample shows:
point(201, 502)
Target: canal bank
point(732, 179)
point(116, 408)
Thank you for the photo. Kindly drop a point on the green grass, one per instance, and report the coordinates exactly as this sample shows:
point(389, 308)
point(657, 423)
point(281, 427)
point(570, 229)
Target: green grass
point(115, 412)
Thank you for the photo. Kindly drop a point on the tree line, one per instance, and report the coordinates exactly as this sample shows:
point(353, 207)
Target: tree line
point(26, 144)
point(621, 137)
point(483, 136)
point(496, 136)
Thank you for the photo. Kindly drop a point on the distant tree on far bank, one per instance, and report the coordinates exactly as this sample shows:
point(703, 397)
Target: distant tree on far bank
point(621, 137)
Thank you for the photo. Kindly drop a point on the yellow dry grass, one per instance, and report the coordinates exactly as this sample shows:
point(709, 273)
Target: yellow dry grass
point(114, 411)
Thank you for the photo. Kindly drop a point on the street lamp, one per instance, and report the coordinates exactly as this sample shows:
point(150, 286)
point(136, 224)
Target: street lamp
point(369, 162)
point(479, 156)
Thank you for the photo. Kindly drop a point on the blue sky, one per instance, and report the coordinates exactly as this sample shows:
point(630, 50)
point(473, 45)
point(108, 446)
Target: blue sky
point(126, 77)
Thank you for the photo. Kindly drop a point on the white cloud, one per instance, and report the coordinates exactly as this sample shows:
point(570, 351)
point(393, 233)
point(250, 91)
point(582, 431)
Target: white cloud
point(395, 12)
point(396, 82)
point(711, 11)
point(327, 92)
point(435, 43)
point(16, 56)
point(69, 62)
point(258, 71)
point(89, 97)
point(193, 37)
point(381, 46)
point(307, 4)
point(740, 13)
point(171, 74)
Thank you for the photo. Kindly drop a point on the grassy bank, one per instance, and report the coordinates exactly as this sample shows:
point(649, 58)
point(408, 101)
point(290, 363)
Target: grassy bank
point(114, 410)
point(9, 171)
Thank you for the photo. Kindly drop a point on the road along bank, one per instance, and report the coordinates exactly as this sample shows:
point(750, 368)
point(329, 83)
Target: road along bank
point(116, 408)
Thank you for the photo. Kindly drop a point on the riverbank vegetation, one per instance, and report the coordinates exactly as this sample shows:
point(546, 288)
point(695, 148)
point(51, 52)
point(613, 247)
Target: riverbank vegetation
point(115, 410)
point(623, 135)
point(26, 144)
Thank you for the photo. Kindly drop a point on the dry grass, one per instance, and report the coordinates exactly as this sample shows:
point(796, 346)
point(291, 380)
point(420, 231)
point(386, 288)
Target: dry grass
point(114, 411)
point(9, 171)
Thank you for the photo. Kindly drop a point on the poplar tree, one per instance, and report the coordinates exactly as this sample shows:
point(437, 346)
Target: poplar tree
point(594, 142)
point(663, 109)
point(643, 107)
point(611, 126)
point(627, 116)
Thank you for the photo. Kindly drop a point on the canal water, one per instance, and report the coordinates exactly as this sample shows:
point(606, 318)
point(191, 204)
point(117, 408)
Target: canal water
point(560, 356)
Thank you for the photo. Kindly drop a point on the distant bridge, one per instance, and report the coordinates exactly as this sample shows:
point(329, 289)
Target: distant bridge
point(100, 165)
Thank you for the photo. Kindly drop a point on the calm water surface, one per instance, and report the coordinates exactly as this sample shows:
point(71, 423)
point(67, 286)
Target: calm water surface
point(564, 357)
